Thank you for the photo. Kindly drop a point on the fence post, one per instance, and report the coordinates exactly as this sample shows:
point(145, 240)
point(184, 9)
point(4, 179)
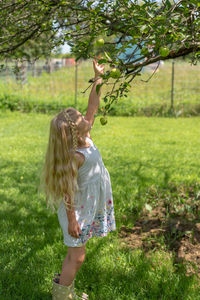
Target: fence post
point(172, 88)
point(7, 67)
point(24, 72)
point(49, 66)
point(33, 68)
point(17, 70)
point(76, 80)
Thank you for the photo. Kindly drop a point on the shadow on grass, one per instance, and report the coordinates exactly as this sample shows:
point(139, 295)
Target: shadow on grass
point(31, 239)
point(29, 235)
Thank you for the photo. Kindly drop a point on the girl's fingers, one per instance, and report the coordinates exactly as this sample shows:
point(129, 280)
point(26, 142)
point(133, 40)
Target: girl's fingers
point(76, 234)
point(79, 229)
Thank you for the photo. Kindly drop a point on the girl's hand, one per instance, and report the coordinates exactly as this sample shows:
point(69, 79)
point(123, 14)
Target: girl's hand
point(98, 69)
point(74, 228)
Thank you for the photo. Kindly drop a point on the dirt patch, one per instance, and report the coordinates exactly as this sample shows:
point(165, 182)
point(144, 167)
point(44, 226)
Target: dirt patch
point(171, 224)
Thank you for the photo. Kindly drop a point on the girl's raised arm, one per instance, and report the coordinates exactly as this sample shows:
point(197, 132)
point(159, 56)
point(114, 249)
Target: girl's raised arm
point(94, 98)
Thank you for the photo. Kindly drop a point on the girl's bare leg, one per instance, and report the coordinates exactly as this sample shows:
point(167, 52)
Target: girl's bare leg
point(72, 263)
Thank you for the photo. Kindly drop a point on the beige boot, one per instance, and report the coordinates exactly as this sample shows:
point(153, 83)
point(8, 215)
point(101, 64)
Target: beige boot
point(63, 292)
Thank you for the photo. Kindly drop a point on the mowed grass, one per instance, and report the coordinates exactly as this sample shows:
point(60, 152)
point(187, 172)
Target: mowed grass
point(59, 87)
point(139, 153)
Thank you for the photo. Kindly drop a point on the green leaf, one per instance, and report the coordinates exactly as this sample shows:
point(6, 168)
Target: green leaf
point(105, 99)
point(78, 57)
point(151, 15)
point(107, 56)
point(144, 51)
point(89, 3)
point(144, 28)
point(98, 88)
point(107, 106)
point(102, 61)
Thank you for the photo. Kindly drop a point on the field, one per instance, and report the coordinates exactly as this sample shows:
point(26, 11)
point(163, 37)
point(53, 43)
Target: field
point(145, 98)
point(154, 169)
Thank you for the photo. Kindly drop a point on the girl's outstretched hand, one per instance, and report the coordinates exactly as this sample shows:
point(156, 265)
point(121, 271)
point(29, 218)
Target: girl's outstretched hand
point(98, 69)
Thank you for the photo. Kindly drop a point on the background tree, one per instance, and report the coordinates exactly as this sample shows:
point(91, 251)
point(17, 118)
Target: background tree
point(152, 30)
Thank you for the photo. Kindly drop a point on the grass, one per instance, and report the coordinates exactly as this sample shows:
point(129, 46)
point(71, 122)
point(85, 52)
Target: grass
point(59, 87)
point(142, 153)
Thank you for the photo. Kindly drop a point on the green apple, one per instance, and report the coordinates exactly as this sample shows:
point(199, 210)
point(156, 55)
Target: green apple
point(115, 73)
point(100, 42)
point(103, 121)
point(164, 51)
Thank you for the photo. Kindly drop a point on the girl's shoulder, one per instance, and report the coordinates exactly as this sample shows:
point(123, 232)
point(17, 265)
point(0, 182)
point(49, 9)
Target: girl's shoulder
point(88, 135)
point(80, 158)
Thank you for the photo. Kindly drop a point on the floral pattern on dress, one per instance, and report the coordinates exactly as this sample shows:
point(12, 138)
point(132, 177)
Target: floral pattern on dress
point(97, 228)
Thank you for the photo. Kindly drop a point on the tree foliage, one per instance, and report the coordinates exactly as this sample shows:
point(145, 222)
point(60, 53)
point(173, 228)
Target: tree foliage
point(136, 33)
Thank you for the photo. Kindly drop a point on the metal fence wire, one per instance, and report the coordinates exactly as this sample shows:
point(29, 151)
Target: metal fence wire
point(175, 82)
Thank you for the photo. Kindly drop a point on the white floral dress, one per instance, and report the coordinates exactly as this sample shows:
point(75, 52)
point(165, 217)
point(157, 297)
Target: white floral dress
point(94, 207)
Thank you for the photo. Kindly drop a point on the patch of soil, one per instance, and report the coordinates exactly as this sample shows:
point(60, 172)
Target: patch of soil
point(171, 225)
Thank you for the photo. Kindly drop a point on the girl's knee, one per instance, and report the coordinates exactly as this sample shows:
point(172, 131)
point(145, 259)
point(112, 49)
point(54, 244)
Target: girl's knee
point(76, 255)
point(80, 259)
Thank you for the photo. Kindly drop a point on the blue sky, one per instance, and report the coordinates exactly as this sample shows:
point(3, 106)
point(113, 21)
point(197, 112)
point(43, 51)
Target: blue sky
point(65, 48)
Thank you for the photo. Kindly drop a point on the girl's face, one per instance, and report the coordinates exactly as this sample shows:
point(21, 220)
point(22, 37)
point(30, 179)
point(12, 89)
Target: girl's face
point(83, 126)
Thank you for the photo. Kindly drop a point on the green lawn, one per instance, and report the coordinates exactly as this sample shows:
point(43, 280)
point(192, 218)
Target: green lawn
point(139, 153)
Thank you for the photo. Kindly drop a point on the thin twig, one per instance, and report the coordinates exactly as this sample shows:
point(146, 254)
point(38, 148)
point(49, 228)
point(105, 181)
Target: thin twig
point(87, 88)
point(152, 73)
point(93, 81)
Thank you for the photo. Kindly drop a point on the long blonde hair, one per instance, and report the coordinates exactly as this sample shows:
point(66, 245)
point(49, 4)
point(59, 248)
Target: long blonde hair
point(59, 174)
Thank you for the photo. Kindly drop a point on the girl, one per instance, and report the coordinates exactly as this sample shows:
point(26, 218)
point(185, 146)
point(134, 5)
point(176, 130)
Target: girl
point(74, 173)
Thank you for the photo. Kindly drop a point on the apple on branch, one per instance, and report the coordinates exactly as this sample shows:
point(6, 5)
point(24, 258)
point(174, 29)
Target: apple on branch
point(164, 51)
point(115, 73)
point(103, 120)
point(100, 42)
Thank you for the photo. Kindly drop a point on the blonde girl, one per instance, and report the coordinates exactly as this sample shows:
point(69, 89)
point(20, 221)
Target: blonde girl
point(77, 183)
